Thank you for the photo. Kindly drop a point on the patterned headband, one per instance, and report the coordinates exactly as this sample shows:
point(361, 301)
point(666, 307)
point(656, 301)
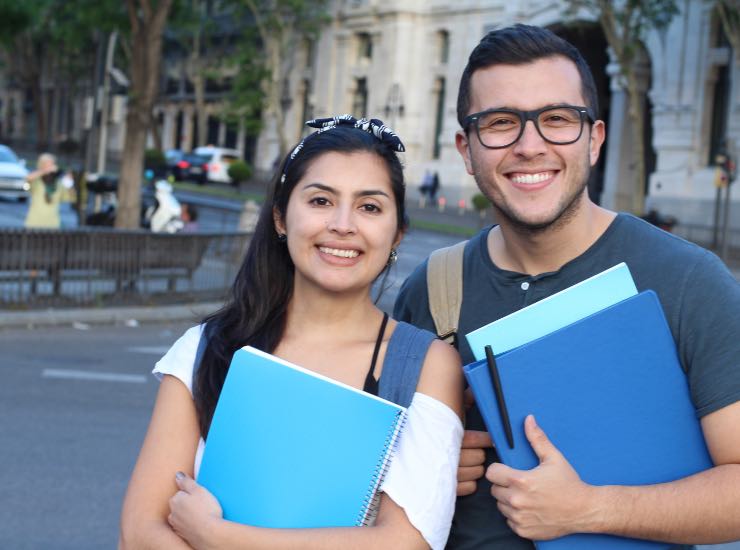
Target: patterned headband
point(372, 126)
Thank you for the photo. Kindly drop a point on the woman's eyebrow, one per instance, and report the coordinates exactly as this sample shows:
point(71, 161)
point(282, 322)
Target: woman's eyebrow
point(329, 189)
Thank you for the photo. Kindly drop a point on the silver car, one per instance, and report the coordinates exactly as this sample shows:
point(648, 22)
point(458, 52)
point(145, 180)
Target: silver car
point(13, 174)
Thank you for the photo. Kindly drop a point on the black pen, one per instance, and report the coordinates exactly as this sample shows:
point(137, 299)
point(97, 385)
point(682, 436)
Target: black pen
point(498, 390)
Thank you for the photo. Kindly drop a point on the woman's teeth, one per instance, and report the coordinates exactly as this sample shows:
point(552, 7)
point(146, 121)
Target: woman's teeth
point(339, 252)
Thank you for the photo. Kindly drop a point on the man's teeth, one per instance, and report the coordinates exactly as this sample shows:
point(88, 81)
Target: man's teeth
point(531, 178)
point(339, 252)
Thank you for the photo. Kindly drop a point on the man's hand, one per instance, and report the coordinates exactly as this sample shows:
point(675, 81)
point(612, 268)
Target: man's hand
point(546, 502)
point(472, 458)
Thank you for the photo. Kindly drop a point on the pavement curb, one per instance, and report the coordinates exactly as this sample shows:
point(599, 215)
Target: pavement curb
point(112, 315)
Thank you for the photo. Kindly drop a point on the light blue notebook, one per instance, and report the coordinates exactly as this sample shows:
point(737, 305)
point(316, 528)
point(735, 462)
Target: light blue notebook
point(554, 312)
point(290, 448)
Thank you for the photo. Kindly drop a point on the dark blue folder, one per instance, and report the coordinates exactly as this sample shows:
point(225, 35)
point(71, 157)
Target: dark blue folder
point(610, 393)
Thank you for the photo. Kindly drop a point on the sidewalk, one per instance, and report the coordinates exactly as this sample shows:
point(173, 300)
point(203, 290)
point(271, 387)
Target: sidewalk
point(447, 220)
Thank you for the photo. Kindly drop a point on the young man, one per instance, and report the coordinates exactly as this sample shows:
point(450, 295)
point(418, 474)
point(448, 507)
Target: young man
point(527, 106)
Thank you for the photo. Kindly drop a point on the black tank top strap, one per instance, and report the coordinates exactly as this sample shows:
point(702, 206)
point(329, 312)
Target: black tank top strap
point(371, 384)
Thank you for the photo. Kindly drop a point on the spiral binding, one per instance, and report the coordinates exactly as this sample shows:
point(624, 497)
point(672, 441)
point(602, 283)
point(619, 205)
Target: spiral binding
point(371, 501)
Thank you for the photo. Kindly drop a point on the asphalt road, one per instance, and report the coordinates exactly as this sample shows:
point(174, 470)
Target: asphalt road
point(74, 404)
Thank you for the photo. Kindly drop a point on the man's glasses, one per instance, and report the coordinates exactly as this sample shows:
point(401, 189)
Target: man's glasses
point(499, 128)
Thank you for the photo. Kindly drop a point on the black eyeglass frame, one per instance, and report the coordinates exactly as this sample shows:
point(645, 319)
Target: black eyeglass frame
point(524, 116)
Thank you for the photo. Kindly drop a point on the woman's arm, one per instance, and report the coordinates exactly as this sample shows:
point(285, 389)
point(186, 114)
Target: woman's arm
point(442, 376)
point(170, 445)
point(196, 515)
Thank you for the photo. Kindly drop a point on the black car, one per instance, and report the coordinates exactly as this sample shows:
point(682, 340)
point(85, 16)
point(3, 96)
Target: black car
point(193, 167)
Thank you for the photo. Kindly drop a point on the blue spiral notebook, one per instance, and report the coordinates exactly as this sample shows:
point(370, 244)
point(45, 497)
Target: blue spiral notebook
point(610, 393)
point(289, 448)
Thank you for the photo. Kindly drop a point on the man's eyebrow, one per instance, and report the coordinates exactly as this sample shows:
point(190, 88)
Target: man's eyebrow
point(329, 189)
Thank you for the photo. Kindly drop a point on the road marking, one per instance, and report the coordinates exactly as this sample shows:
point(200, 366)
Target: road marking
point(96, 376)
point(153, 350)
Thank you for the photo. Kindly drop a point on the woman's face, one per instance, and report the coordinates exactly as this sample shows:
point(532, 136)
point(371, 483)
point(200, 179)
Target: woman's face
point(341, 222)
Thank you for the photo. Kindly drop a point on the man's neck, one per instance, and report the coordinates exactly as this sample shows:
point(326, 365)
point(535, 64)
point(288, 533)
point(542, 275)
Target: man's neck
point(548, 250)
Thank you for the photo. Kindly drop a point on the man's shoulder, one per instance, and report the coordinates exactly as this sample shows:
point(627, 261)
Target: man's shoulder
point(654, 247)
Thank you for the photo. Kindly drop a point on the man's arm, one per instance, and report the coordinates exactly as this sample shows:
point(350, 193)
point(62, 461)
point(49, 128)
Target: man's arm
point(551, 501)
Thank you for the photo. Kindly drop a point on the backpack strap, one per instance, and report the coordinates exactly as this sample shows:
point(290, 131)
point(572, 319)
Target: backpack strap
point(445, 289)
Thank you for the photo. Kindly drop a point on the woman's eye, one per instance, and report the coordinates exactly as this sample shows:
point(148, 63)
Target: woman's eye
point(370, 208)
point(319, 201)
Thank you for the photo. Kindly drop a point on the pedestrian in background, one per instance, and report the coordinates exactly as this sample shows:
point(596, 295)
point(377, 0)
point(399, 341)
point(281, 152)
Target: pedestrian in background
point(46, 194)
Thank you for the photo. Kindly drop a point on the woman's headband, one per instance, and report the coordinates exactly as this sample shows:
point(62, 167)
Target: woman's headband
point(372, 126)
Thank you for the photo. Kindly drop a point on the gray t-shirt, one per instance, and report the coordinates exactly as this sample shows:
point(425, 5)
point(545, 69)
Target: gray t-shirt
point(701, 302)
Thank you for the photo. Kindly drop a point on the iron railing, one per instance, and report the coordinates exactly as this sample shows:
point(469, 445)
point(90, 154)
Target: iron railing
point(102, 266)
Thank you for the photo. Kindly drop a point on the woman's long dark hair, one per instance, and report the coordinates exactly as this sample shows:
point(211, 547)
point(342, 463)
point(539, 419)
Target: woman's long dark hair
point(254, 313)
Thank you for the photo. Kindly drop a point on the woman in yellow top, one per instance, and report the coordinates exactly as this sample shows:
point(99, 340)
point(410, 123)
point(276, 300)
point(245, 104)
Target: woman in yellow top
point(46, 194)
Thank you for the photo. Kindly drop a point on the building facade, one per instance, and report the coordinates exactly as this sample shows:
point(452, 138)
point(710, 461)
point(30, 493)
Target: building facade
point(402, 62)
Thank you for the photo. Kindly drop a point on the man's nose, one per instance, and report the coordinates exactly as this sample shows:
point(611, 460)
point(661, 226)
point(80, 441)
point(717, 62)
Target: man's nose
point(530, 143)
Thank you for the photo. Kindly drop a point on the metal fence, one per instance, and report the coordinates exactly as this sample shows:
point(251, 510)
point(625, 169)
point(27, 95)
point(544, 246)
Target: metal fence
point(101, 266)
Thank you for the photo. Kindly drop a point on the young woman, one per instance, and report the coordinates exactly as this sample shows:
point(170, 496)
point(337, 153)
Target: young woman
point(330, 228)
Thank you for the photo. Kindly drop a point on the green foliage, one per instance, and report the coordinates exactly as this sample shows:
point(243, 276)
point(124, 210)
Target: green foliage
point(285, 24)
point(626, 22)
point(239, 171)
point(154, 158)
point(15, 18)
point(480, 202)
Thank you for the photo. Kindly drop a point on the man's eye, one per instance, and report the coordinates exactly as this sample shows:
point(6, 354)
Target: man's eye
point(498, 123)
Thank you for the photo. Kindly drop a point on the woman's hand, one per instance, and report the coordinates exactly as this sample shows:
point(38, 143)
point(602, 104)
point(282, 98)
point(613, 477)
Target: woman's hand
point(194, 512)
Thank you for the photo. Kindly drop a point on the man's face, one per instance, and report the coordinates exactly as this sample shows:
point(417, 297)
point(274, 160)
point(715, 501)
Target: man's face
point(532, 183)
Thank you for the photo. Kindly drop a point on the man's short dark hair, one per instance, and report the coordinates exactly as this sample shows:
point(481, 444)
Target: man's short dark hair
point(518, 45)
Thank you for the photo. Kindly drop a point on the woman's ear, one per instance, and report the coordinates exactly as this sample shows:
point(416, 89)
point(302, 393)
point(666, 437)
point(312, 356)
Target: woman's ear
point(277, 219)
point(398, 239)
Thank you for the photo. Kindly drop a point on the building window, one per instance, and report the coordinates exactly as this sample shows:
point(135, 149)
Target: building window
point(720, 95)
point(443, 43)
point(310, 49)
point(364, 46)
point(359, 99)
point(439, 117)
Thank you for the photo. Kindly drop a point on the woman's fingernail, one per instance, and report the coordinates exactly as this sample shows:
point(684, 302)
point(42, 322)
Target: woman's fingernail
point(179, 476)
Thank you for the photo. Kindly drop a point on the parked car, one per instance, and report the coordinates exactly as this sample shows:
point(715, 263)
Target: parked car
point(218, 160)
point(193, 167)
point(173, 157)
point(13, 174)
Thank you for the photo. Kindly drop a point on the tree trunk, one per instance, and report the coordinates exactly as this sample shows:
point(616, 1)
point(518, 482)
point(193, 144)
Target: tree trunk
point(147, 26)
point(638, 146)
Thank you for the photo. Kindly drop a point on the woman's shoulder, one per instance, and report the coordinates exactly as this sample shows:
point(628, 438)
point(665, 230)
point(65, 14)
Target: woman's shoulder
point(179, 360)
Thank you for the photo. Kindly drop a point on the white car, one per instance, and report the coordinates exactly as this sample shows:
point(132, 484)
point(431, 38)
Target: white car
point(218, 161)
point(13, 174)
